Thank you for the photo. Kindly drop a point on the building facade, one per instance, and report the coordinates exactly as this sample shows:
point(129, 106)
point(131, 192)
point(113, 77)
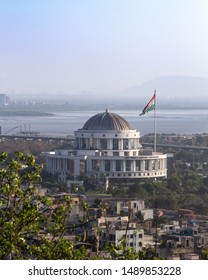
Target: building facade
point(133, 238)
point(106, 147)
point(4, 99)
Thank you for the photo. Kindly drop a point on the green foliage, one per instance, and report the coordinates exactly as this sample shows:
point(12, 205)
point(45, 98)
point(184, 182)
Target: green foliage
point(122, 252)
point(204, 254)
point(24, 213)
point(148, 253)
point(185, 187)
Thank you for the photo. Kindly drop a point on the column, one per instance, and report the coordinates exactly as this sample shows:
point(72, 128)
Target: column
point(102, 166)
point(76, 168)
point(111, 144)
point(149, 165)
point(89, 165)
point(134, 166)
point(120, 144)
point(142, 166)
point(113, 166)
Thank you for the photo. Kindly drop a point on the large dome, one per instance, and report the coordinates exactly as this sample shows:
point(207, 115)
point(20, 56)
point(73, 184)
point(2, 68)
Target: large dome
point(107, 121)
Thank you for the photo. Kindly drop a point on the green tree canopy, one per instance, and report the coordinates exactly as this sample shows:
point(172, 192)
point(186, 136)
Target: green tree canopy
point(24, 214)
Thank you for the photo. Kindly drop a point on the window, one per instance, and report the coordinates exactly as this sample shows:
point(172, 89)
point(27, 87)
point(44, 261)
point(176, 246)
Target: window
point(118, 165)
point(128, 165)
point(107, 165)
point(103, 144)
point(146, 165)
point(137, 165)
point(115, 144)
point(83, 145)
point(125, 144)
point(153, 165)
point(95, 165)
point(111, 237)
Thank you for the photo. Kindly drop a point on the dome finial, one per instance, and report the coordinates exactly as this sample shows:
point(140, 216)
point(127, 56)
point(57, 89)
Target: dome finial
point(106, 110)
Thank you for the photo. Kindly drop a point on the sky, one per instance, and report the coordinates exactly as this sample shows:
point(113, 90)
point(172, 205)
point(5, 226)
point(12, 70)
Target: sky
point(99, 45)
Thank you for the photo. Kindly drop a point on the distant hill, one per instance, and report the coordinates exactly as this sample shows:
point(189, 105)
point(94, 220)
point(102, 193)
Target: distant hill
point(172, 91)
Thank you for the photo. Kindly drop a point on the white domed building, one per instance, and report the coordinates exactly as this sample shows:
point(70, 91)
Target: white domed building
point(106, 147)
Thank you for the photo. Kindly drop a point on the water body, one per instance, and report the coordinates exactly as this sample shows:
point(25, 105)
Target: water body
point(66, 122)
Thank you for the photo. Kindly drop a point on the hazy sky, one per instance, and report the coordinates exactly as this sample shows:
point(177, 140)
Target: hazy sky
point(100, 45)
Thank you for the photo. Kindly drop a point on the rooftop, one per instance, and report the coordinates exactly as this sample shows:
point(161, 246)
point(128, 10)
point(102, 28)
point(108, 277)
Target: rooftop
point(107, 121)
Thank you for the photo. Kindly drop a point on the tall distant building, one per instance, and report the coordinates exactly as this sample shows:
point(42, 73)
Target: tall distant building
point(106, 147)
point(4, 99)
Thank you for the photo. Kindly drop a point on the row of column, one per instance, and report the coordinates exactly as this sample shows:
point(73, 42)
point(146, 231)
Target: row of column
point(103, 166)
point(128, 165)
point(112, 144)
point(56, 164)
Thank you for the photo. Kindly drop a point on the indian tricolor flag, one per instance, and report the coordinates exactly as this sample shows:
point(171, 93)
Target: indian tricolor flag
point(150, 106)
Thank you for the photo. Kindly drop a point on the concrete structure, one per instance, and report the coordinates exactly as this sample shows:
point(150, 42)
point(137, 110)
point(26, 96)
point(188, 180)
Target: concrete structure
point(133, 237)
point(131, 208)
point(106, 147)
point(114, 229)
point(4, 99)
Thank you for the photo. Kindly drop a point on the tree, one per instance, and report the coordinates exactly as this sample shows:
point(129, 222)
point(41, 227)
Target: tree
point(175, 183)
point(121, 252)
point(24, 214)
point(204, 254)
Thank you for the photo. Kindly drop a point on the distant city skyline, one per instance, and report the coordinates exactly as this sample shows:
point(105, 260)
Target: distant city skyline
point(99, 46)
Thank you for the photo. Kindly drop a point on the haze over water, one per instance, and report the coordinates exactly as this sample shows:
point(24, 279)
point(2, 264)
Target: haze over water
point(187, 121)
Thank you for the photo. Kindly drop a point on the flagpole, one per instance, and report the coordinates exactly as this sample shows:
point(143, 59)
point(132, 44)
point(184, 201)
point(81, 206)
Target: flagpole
point(155, 123)
point(151, 105)
point(156, 235)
